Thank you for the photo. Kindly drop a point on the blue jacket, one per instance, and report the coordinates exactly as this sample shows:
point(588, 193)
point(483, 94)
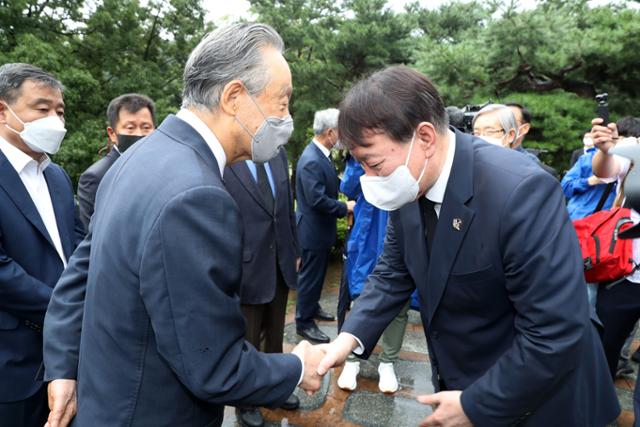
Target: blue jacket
point(503, 299)
point(29, 268)
point(271, 236)
point(155, 285)
point(317, 207)
point(582, 197)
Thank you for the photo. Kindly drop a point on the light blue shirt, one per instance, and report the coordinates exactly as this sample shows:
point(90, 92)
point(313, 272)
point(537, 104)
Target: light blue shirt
point(254, 173)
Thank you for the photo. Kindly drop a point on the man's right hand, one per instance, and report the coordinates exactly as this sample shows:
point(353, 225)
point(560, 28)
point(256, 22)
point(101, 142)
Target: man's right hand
point(604, 137)
point(62, 402)
point(311, 357)
point(336, 352)
point(350, 205)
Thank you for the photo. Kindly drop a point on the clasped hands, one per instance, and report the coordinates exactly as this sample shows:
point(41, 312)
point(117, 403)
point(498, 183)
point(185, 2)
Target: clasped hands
point(447, 406)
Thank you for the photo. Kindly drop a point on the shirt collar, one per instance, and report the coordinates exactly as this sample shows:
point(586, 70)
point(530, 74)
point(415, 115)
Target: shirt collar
point(20, 160)
point(322, 148)
point(436, 192)
point(209, 137)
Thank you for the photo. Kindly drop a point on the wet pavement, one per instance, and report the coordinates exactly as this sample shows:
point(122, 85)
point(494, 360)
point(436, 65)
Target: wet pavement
point(367, 406)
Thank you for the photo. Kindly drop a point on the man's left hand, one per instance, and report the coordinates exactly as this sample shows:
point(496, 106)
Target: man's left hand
point(447, 410)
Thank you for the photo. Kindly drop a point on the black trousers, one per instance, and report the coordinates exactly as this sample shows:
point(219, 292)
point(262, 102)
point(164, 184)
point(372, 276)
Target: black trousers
point(619, 309)
point(265, 322)
point(310, 281)
point(30, 412)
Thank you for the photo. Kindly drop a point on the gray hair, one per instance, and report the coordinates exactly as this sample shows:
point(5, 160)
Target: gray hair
point(12, 76)
point(226, 54)
point(505, 116)
point(325, 119)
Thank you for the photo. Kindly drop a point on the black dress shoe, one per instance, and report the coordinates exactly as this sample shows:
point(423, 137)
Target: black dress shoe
point(312, 333)
point(292, 403)
point(249, 417)
point(323, 315)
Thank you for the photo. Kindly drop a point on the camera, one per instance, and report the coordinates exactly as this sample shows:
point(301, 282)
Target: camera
point(462, 118)
point(602, 107)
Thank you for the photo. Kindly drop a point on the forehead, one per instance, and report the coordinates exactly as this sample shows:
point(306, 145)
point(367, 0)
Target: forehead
point(517, 112)
point(280, 83)
point(32, 91)
point(142, 115)
point(487, 119)
point(375, 145)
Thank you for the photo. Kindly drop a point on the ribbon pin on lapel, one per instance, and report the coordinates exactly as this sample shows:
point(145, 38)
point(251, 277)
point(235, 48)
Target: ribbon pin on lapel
point(457, 224)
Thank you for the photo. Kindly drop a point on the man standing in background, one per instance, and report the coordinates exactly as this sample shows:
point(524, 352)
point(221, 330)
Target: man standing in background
point(269, 257)
point(317, 210)
point(39, 230)
point(131, 117)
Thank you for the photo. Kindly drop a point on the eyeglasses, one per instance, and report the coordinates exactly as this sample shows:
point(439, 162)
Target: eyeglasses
point(487, 132)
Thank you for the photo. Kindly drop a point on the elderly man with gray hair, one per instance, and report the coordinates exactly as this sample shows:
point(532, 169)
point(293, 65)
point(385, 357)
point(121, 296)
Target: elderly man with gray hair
point(150, 323)
point(497, 124)
point(317, 209)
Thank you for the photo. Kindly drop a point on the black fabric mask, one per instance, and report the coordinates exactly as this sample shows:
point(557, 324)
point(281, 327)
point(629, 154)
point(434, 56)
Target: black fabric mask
point(126, 141)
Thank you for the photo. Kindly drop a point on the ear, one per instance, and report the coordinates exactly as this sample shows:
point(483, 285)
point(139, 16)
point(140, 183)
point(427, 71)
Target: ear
point(113, 137)
point(229, 98)
point(510, 139)
point(3, 113)
point(524, 129)
point(426, 138)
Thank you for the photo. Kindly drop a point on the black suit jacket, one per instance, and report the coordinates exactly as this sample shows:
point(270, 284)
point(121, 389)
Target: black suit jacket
point(89, 182)
point(155, 285)
point(318, 207)
point(270, 237)
point(503, 299)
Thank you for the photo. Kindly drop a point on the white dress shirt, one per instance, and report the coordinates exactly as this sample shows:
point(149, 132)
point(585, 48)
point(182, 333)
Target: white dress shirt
point(209, 137)
point(32, 175)
point(322, 148)
point(435, 194)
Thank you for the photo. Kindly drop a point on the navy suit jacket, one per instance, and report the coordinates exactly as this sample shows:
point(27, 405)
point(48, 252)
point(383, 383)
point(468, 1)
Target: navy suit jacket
point(503, 299)
point(88, 185)
point(162, 335)
point(29, 268)
point(317, 187)
point(270, 237)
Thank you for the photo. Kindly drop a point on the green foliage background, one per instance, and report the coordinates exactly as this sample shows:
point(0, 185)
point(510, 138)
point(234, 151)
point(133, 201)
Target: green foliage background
point(553, 58)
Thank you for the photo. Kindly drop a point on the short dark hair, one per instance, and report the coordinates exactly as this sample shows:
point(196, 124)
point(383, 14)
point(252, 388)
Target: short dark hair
point(13, 75)
point(132, 102)
point(628, 126)
point(392, 101)
point(526, 114)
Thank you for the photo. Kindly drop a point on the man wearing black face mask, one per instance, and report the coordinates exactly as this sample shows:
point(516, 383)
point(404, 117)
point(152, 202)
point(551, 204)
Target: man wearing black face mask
point(131, 117)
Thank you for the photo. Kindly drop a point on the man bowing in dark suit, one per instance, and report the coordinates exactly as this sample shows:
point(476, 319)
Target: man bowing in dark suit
point(39, 230)
point(484, 236)
point(131, 117)
point(269, 257)
point(155, 283)
point(317, 210)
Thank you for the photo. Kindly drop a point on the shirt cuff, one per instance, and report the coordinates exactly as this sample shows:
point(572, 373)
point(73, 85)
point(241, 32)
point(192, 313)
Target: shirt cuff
point(359, 350)
point(301, 358)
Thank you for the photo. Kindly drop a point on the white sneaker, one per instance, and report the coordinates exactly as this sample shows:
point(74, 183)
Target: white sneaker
point(348, 377)
point(388, 382)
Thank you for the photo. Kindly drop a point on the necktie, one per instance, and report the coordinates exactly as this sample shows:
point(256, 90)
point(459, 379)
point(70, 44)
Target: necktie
point(264, 186)
point(430, 220)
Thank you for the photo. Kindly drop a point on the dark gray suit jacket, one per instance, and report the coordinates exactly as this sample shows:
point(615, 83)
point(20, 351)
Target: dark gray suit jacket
point(270, 237)
point(89, 182)
point(503, 299)
point(162, 336)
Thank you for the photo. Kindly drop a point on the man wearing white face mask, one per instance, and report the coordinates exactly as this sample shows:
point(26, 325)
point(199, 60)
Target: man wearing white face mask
point(483, 235)
point(153, 323)
point(39, 229)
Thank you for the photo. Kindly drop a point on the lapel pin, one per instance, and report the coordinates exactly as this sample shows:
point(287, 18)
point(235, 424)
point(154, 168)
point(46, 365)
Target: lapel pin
point(457, 224)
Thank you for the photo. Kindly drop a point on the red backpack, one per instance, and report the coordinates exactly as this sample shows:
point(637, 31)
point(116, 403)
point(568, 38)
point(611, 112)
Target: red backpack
point(606, 257)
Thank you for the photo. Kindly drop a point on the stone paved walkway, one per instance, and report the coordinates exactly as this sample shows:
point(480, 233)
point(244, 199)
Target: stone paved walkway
point(367, 406)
